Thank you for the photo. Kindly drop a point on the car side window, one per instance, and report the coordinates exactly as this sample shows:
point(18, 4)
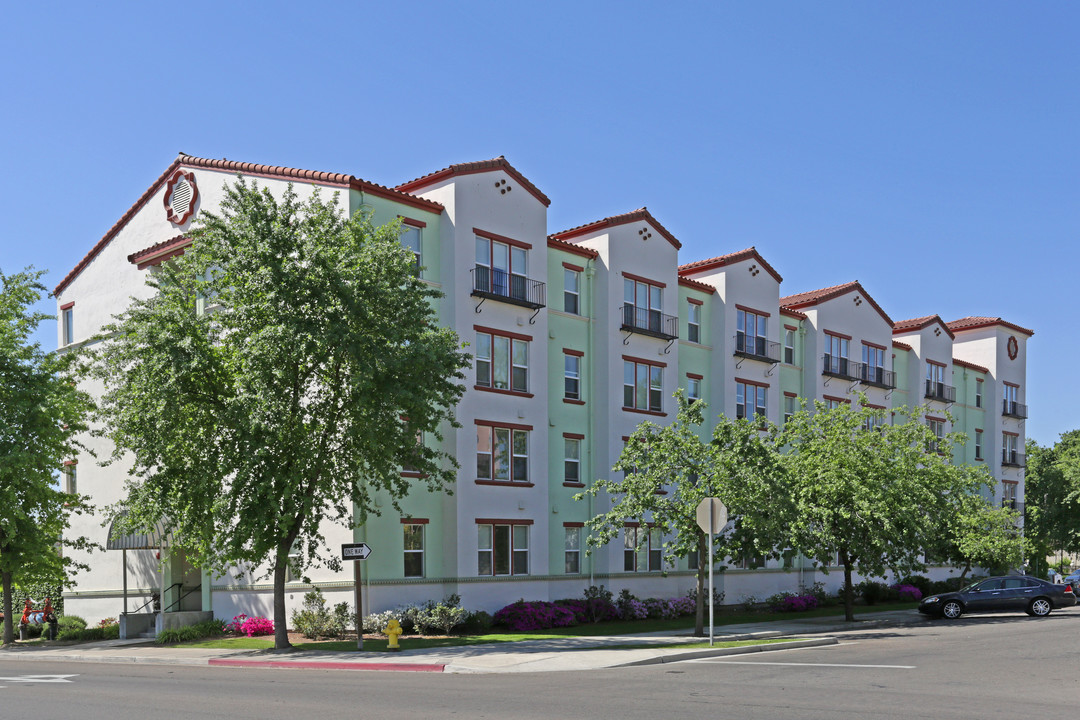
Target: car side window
point(989, 585)
point(1017, 583)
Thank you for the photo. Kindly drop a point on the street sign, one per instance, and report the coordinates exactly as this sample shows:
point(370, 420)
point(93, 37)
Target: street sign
point(714, 510)
point(355, 551)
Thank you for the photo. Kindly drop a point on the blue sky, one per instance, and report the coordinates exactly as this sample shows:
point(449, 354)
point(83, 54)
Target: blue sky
point(928, 150)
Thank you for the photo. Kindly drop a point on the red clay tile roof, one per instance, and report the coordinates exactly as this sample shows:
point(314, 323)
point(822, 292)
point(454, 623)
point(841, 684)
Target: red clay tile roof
point(641, 213)
point(469, 168)
point(901, 345)
point(970, 365)
point(793, 313)
point(699, 266)
point(976, 321)
point(687, 282)
point(252, 169)
point(159, 252)
point(904, 326)
point(571, 247)
point(813, 297)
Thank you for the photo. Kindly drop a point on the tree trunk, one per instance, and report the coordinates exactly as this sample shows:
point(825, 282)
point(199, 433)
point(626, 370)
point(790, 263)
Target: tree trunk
point(702, 568)
point(9, 634)
point(849, 590)
point(281, 628)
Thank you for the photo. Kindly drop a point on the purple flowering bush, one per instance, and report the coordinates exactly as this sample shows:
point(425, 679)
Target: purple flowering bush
point(525, 616)
point(907, 593)
point(682, 606)
point(792, 602)
point(590, 610)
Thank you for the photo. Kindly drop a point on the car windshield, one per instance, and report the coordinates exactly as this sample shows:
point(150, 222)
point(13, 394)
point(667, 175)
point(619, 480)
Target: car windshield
point(970, 586)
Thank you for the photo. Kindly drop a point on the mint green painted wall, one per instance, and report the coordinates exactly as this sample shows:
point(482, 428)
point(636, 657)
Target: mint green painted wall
point(901, 360)
point(966, 417)
point(386, 210)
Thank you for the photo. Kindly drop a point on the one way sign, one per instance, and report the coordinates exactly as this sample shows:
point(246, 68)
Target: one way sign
point(355, 551)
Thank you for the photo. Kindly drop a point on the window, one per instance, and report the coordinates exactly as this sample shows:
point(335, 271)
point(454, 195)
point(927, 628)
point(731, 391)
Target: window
point(832, 403)
point(935, 373)
point(409, 466)
point(789, 346)
point(1008, 449)
point(501, 268)
point(1010, 397)
point(410, 238)
point(749, 561)
point(978, 393)
point(978, 445)
point(937, 427)
point(502, 549)
point(643, 386)
point(836, 354)
point(693, 322)
point(71, 480)
point(572, 460)
point(1008, 495)
point(751, 332)
point(572, 553)
point(642, 549)
point(693, 388)
point(642, 303)
point(502, 362)
point(571, 376)
point(572, 291)
point(502, 454)
point(68, 319)
point(414, 549)
point(789, 406)
point(873, 359)
point(750, 400)
point(875, 421)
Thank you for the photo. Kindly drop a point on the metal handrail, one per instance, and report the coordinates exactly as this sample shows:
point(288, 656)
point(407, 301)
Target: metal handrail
point(756, 347)
point(181, 598)
point(1011, 408)
point(940, 391)
point(501, 285)
point(649, 322)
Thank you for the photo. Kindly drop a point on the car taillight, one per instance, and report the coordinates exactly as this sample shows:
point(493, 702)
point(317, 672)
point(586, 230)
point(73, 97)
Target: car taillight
point(1068, 587)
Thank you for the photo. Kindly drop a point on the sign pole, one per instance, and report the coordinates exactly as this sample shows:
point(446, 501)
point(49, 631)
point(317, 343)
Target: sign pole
point(359, 607)
point(711, 596)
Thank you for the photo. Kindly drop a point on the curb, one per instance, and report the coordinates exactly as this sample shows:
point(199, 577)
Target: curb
point(325, 665)
point(719, 652)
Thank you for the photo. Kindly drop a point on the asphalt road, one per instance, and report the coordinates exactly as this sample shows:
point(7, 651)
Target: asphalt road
point(995, 666)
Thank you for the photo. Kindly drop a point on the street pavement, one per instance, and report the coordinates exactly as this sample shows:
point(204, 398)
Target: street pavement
point(555, 654)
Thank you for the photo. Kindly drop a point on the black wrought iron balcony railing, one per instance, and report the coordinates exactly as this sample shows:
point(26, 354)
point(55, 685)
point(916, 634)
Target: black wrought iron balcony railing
point(877, 376)
point(1011, 408)
point(840, 367)
point(1012, 458)
point(649, 322)
point(505, 287)
point(940, 391)
point(1012, 504)
point(756, 348)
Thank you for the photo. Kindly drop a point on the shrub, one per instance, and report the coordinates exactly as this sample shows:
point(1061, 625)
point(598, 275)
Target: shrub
point(630, 608)
point(873, 592)
point(70, 622)
point(920, 581)
point(598, 605)
point(312, 621)
point(718, 597)
point(476, 623)
point(377, 622)
point(683, 606)
point(444, 616)
point(792, 602)
point(254, 626)
point(528, 616)
point(198, 631)
point(907, 593)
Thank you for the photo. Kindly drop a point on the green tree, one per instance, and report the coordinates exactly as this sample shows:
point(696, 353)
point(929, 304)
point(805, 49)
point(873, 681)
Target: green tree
point(1052, 499)
point(667, 471)
point(279, 376)
point(984, 535)
point(41, 412)
point(873, 498)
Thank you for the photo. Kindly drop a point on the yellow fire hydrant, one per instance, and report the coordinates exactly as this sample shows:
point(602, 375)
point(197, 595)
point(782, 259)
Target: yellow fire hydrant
point(392, 630)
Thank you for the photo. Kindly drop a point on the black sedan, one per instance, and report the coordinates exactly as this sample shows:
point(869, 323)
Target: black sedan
point(1000, 594)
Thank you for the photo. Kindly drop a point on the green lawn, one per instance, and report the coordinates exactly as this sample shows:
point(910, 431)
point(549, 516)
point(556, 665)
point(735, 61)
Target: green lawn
point(608, 628)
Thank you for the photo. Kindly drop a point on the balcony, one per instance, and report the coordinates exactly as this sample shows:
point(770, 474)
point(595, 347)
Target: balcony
point(876, 376)
point(1011, 458)
point(1013, 409)
point(756, 348)
point(841, 367)
point(649, 322)
point(502, 286)
point(940, 391)
point(1012, 504)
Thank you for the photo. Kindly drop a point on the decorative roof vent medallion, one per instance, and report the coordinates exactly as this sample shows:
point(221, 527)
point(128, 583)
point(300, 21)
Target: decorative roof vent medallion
point(181, 195)
point(1013, 348)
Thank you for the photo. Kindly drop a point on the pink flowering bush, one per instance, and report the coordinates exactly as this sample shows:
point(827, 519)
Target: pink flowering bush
point(250, 626)
point(907, 593)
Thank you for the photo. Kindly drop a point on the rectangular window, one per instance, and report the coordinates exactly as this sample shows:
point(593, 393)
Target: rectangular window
point(874, 361)
point(71, 480)
point(938, 428)
point(935, 373)
point(572, 291)
point(501, 268)
point(502, 362)
point(68, 317)
point(978, 444)
point(874, 422)
point(750, 400)
point(502, 550)
point(502, 454)
point(1008, 495)
point(750, 561)
point(693, 322)
point(643, 386)
point(978, 393)
point(693, 389)
point(414, 550)
point(572, 460)
point(1008, 449)
point(571, 377)
point(642, 305)
point(836, 354)
point(1010, 393)
point(410, 238)
point(789, 346)
point(572, 553)
point(642, 549)
point(789, 407)
point(411, 467)
point(751, 332)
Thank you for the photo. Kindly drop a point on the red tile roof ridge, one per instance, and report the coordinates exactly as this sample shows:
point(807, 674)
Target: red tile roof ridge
point(970, 365)
point(642, 213)
point(905, 326)
point(699, 266)
point(467, 168)
point(901, 345)
point(697, 285)
point(793, 313)
point(139, 254)
point(973, 322)
point(813, 297)
point(571, 247)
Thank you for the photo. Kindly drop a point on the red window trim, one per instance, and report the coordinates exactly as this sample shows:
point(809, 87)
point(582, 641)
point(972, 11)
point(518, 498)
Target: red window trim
point(571, 266)
point(504, 483)
point(501, 238)
point(1010, 482)
point(978, 430)
point(575, 353)
point(645, 412)
point(643, 361)
point(1006, 432)
point(571, 401)
point(755, 383)
point(508, 426)
point(67, 306)
point(790, 394)
point(793, 328)
point(573, 436)
point(501, 391)
point(1010, 384)
point(413, 474)
point(504, 333)
point(573, 524)
point(842, 336)
point(412, 221)
point(695, 301)
point(502, 521)
point(981, 380)
point(414, 521)
point(935, 362)
point(746, 308)
point(935, 419)
point(647, 281)
point(834, 398)
point(875, 345)
point(695, 376)
point(573, 484)
point(873, 406)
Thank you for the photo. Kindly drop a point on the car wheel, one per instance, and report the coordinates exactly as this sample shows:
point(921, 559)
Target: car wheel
point(1040, 607)
point(952, 610)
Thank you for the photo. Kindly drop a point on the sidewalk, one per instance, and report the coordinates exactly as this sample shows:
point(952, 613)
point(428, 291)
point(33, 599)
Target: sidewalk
point(556, 654)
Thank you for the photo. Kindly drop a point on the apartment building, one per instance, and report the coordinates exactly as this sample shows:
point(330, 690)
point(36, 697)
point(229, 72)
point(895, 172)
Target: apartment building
point(577, 336)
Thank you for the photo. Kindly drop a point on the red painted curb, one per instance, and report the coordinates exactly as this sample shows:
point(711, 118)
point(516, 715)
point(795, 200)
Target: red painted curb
point(316, 665)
